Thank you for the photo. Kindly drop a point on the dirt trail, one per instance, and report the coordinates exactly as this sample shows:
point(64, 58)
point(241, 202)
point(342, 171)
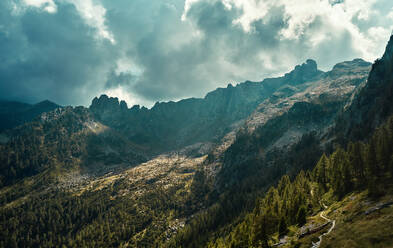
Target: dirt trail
point(318, 243)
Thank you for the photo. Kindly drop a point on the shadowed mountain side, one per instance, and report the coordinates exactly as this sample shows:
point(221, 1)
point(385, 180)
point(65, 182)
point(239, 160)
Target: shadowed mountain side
point(290, 113)
point(13, 113)
point(373, 103)
point(65, 138)
point(173, 125)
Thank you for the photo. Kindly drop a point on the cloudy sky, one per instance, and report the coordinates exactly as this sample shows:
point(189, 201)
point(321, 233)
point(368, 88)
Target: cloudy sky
point(69, 51)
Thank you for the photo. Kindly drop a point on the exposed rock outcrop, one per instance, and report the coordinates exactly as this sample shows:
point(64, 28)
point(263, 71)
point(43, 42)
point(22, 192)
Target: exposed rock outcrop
point(172, 125)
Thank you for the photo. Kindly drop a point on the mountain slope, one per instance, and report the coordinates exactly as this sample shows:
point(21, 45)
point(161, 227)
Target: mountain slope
point(109, 135)
point(281, 121)
point(247, 227)
point(91, 177)
point(363, 171)
point(173, 125)
point(13, 114)
point(373, 103)
point(68, 138)
point(250, 158)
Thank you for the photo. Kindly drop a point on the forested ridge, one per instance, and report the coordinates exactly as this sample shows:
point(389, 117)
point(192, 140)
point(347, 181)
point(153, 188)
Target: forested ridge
point(58, 218)
point(66, 138)
point(361, 166)
point(354, 166)
point(41, 144)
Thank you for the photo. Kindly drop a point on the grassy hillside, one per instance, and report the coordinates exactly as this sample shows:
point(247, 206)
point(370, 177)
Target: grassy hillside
point(358, 223)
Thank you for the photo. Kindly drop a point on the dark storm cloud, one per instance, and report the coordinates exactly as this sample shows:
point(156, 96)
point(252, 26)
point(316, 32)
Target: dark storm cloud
point(183, 59)
point(145, 51)
point(236, 46)
point(158, 41)
point(119, 79)
point(47, 55)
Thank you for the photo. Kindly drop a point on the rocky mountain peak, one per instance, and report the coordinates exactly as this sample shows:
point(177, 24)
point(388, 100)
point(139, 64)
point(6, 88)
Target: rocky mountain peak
point(356, 66)
point(108, 108)
point(303, 72)
point(107, 103)
point(123, 105)
point(352, 64)
point(312, 64)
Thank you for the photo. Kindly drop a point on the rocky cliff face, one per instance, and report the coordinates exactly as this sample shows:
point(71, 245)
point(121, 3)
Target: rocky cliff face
point(332, 90)
point(173, 125)
point(373, 104)
point(293, 112)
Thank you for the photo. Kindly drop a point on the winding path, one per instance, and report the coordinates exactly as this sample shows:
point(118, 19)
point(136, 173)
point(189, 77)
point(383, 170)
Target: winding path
point(318, 243)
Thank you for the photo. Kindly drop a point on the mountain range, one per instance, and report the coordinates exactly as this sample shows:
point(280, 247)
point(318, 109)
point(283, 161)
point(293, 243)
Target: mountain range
point(202, 172)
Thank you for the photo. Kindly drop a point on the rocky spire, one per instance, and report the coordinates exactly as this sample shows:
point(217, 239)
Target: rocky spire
point(108, 108)
point(107, 103)
point(303, 72)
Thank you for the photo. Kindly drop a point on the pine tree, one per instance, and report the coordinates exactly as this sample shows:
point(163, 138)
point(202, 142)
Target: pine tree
point(356, 158)
point(260, 234)
point(382, 149)
point(283, 184)
point(301, 216)
point(282, 227)
point(320, 172)
point(341, 176)
point(372, 169)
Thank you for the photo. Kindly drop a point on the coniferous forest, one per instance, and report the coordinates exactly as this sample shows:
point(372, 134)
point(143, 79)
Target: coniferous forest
point(304, 159)
point(58, 218)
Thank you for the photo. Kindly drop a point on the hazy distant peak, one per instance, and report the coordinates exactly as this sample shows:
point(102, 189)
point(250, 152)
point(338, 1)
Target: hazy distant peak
point(46, 103)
